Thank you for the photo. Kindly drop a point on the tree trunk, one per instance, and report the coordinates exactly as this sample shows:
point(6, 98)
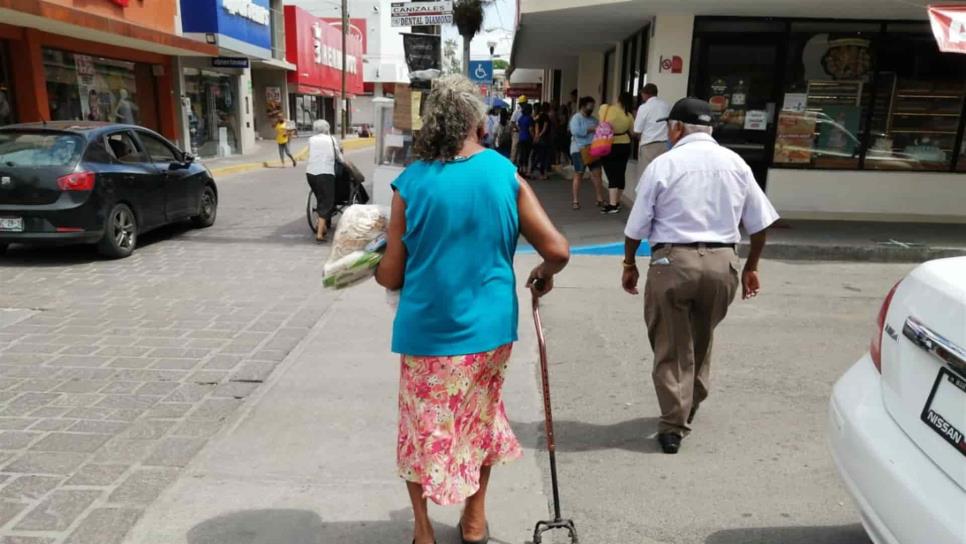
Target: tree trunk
point(466, 55)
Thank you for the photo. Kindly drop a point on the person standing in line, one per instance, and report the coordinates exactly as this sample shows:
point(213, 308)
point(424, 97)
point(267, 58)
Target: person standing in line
point(282, 136)
point(649, 129)
point(561, 137)
point(582, 126)
point(689, 206)
point(492, 121)
point(457, 214)
point(324, 151)
point(515, 130)
point(542, 140)
point(525, 134)
point(504, 134)
point(621, 119)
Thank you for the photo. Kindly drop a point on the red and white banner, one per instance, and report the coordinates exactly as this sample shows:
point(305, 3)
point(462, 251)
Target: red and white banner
point(315, 48)
point(949, 27)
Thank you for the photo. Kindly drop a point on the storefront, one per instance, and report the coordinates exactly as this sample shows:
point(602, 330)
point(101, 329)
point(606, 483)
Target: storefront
point(832, 95)
point(218, 94)
point(121, 72)
point(315, 47)
point(848, 118)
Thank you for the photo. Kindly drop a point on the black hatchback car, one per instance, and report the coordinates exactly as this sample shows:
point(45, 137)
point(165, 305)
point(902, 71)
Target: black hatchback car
point(96, 183)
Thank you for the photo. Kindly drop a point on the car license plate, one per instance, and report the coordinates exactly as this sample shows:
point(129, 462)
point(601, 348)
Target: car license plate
point(11, 224)
point(945, 411)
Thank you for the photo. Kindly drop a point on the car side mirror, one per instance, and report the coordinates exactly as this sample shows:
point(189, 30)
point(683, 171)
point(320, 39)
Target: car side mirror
point(188, 158)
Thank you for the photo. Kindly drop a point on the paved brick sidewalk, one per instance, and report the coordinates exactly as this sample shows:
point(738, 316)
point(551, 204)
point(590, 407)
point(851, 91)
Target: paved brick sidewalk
point(114, 374)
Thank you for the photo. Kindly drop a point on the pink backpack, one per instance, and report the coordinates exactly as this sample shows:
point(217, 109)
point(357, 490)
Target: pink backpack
point(603, 137)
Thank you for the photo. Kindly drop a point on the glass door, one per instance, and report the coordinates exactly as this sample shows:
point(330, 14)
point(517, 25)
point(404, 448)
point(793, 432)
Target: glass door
point(740, 77)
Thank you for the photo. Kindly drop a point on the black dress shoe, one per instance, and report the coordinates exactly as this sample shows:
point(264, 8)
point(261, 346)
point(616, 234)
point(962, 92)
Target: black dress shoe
point(670, 442)
point(463, 540)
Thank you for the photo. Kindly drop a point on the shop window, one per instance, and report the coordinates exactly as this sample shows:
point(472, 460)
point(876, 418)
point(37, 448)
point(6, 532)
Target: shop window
point(825, 106)
point(212, 117)
point(919, 102)
point(82, 87)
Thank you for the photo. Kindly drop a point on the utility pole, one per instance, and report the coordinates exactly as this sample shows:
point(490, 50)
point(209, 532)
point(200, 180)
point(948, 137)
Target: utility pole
point(345, 101)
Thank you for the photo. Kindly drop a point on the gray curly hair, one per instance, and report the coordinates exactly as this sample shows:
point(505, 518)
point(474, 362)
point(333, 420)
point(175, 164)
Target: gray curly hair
point(453, 111)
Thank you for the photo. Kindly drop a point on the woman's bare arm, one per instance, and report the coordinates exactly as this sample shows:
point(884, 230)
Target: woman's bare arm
point(537, 228)
point(392, 269)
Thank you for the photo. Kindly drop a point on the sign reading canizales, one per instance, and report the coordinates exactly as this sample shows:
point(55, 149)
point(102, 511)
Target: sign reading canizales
point(421, 13)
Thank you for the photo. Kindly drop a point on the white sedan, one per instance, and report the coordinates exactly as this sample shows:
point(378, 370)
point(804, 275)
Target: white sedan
point(897, 417)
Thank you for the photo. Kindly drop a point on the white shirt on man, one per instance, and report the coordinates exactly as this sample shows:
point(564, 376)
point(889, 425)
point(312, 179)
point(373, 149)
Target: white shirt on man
point(646, 123)
point(323, 150)
point(698, 191)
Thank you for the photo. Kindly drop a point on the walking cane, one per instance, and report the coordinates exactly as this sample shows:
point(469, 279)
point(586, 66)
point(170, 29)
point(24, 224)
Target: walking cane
point(557, 522)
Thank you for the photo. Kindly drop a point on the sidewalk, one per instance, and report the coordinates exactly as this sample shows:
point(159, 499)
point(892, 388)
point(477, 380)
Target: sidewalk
point(265, 155)
point(592, 233)
point(312, 459)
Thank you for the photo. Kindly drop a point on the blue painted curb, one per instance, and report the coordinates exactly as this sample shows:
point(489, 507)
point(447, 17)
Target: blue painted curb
point(616, 248)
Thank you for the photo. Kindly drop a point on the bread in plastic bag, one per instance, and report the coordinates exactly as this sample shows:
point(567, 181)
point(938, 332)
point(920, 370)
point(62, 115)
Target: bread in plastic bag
point(359, 225)
point(357, 247)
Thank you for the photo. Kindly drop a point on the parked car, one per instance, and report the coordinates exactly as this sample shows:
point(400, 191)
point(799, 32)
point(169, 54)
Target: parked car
point(97, 183)
point(898, 416)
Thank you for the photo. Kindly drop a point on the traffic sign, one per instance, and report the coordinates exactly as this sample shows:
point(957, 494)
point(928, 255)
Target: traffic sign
point(481, 72)
point(421, 13)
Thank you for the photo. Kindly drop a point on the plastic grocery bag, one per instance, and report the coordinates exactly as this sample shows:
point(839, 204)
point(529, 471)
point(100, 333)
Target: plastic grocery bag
point(357, 246)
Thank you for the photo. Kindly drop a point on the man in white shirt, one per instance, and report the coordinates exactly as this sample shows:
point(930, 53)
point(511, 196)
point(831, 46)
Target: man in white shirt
point(650, 127)
point(324, 151)
point(690, 203)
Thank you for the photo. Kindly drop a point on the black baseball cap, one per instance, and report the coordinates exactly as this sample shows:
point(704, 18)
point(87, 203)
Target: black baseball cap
point(692, 111)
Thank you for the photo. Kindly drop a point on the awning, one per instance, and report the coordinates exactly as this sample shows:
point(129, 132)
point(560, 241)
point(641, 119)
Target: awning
point(57, 19)
point(274, 64)
point(949, 27)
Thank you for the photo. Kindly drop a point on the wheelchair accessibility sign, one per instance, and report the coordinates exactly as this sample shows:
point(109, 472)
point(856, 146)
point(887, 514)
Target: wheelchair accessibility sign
point(481, 72)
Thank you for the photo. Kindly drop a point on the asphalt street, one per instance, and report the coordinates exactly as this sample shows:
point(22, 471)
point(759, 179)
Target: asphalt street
point(123, 381)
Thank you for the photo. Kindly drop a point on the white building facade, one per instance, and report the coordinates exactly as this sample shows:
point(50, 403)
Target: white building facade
point(844, 110)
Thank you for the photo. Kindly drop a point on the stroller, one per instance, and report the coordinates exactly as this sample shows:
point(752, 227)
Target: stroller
point(349, 190)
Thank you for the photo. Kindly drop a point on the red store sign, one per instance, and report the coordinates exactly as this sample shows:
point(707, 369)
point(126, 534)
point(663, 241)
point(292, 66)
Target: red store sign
point(315, 48)
point(949, 27)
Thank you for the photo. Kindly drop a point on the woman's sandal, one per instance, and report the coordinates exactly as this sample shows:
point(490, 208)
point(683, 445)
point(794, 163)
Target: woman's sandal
point(463, 540)
point(575, 206)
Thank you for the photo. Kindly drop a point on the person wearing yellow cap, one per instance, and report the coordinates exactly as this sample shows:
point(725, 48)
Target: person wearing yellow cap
point(517, 112)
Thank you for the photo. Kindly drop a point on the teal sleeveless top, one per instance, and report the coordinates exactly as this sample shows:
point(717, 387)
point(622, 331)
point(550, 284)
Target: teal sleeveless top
point(459, 293)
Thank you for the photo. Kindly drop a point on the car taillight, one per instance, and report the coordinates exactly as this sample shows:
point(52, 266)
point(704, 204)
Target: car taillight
point(80, 181)
point(875, 347)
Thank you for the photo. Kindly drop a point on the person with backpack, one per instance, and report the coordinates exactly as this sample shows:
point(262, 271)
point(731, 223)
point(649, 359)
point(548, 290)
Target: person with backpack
point(621, 120)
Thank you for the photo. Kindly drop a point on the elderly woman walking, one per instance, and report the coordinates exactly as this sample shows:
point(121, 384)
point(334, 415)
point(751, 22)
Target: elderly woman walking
point(324, 150)
point(456, 216)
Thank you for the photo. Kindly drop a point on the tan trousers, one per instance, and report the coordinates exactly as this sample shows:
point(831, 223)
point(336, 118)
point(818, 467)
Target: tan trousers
point(647, 153)
point(684, 301)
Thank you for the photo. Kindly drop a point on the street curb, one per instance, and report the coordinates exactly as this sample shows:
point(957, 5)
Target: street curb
point(301, 155)
point(870, 254)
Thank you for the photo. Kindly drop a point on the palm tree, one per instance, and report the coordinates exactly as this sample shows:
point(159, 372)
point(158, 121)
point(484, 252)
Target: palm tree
point(468, 16)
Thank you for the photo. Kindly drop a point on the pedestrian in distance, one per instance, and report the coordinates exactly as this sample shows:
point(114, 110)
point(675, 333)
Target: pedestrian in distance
point(561, 137)
point(689, 206)
point(649, 129)
point(457, 213)
point(582, 126)
point(324, 151)
point(282, 136)
point(525, 132)
point(543, 140)
point(620, 117)
point(515, 131)
point(504, 134)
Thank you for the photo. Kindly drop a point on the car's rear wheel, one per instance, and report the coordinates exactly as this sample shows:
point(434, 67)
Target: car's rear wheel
point(120, 233)
point(209, 208)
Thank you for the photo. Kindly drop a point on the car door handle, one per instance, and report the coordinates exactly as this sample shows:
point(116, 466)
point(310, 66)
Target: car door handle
point(935, 344)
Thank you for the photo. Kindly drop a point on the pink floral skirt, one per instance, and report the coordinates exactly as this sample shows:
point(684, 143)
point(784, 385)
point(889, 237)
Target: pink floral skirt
point(452, 422)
